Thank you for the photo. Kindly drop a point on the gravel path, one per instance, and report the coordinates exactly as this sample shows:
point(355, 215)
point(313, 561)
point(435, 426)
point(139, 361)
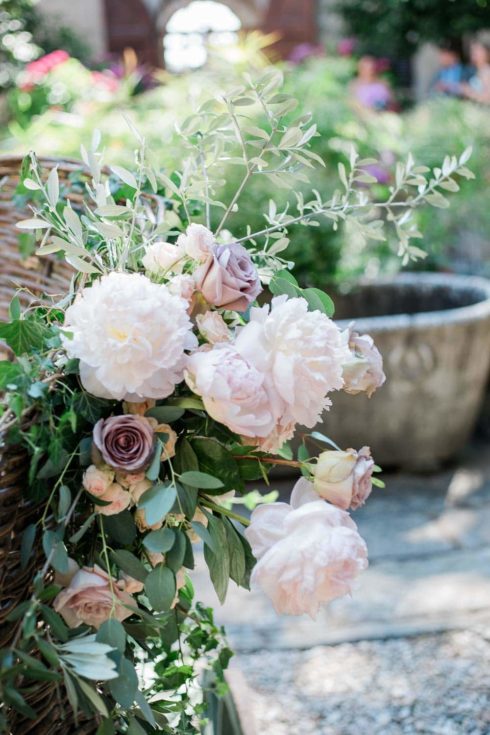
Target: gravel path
point(430, 685)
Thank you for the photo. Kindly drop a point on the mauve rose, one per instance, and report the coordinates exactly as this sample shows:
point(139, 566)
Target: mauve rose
point(125, 442)
point(229, 278)
point(344, 478)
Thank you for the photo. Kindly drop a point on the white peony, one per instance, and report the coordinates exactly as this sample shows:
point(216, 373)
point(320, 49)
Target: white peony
point(308, 552)
point(233, 391)
point(130, 335)
point(303, 353)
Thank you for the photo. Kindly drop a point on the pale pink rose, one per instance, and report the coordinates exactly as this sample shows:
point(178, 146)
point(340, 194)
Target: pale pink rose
point(183, 285)
point(117, 497)
point(363, 372)
point(301, 351)
point(308, 552)
point(130, 479)
point(213, 327)
point(197, 242)
point(138, 409)
point(162, 258)
point(89, 599)
point(97, 481)
point(229, 278)
point(129, 584)
point(344, 478)
point(233, 391)
point(139, 488)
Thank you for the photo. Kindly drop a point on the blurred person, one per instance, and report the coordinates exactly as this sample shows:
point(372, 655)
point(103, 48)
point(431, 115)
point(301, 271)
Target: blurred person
point(478, 87)
point(368, 89)
point(452, 72)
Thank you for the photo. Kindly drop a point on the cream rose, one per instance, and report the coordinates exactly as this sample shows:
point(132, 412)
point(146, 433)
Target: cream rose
point(197, 242)
point(213, 327)
point(308, 552)
point(89, 599)
point(344, 478)
point(363, 372)
point(161, 258)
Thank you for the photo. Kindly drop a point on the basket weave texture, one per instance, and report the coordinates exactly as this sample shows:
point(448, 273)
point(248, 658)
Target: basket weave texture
point(40, 277)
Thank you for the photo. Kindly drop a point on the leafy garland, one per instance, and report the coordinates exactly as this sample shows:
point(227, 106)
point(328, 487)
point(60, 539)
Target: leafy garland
point(138, 672)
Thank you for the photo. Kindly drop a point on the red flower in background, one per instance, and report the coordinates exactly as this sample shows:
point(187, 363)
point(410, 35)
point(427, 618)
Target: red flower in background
point(35, 71)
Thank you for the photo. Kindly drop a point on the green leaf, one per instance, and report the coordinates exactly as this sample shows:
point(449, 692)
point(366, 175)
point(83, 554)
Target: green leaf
point(14, 309)
point(106, 727)
point(186, 501)
point(93, 697)
point(200, 480)
point(55, 622)
point(64, 501)
point(83, 529)
point(90, 407)
point(218, 563)
point(127, 562)
point(157, 502)
point(124, 688)
point(160, 588)
point(319, 301)
point(204, 535)
point(17, 701)
point(279, 286)
point(26, 544)
point(24, 335)
point(238, 566)
point(121, 527)
point(134, 728)
point(10, 373)
point(112, 632)
point(125, 176)
point(217, 461)
point(153, 470)
point(175, 556)
point(159, 541)
point(166, 414)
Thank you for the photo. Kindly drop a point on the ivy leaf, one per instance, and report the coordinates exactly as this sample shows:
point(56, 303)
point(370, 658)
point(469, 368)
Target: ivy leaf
point(24, 335)
point(160, 588)
point(90, 407)
point(10, 373)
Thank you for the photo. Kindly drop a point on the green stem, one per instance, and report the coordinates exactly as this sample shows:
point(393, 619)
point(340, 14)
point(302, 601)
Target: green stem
point(224, 511)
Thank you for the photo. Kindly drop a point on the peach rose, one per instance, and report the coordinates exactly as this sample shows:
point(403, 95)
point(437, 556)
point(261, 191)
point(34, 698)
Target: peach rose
point(344, 478)
point(97, 481)
point(129, 584)
point(89, 599)
point(138, 409)
point(117, 497)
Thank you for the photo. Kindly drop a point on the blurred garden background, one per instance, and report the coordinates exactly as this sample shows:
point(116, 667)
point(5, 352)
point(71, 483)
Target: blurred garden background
point(392, 78)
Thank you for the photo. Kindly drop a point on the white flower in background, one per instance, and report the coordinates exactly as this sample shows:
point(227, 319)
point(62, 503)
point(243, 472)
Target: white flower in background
point(302, 351)
point(213, 327)
point(197, 242)
point(130, 335)
point(308, 553)
point(233, 391)
point(162, 258)
point(363, 372)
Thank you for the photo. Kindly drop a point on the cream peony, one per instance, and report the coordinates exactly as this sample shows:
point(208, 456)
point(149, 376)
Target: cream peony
point(90, 599)
point(233, 391)
point(344, 478)
point(197, 242)
point(308, 552)
point(302, 351)
point(161, 258)
point(130, 335)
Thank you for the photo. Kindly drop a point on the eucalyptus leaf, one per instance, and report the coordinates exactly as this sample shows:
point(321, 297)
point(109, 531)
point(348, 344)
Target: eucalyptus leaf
point(200, 480)
point(157, 502)
point(160, 587)
point(124, 688)
point(159, 541)
point(127, 562)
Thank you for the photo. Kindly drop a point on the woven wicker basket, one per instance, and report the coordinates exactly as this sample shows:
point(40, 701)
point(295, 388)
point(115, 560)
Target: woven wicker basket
point(40, 276)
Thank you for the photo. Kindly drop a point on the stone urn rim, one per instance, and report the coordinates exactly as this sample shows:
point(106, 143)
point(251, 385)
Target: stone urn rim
point(472, 312)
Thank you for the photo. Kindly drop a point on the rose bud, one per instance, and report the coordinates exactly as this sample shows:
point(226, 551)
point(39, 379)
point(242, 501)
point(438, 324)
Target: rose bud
point(363, 373)
point(197, 242)
point(229, 278)
point(213, 327)
point(125, 442)
point(344, 478)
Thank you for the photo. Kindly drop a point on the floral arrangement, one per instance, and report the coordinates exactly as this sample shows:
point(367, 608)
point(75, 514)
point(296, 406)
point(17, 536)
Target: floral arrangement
point(175, 371)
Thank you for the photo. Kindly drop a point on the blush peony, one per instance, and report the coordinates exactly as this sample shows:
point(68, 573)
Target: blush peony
point(308, 552)
point(130, 335)
point(302, 351)
point(233, 391)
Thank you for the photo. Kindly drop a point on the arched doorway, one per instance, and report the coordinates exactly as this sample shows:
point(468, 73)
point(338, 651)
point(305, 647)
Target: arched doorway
point(193, 28)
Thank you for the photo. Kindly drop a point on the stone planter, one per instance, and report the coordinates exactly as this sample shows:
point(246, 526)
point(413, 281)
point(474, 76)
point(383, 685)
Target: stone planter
point(433, 331)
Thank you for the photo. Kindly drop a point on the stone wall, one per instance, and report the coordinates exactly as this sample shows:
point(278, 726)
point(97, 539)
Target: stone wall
point(85, 17)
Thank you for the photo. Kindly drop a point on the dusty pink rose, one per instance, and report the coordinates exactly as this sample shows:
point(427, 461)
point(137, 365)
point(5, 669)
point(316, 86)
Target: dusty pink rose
point(344, 478)
point(125, 442)
point(228, 278)
point(233, 391)
point(97, 481)
point(308, 552)
point(89, 599)
point(117, 497)
point(213, 327)
point(363, 372)
point(197, 242)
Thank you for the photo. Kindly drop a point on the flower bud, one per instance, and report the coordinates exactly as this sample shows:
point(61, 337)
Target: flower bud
point(344, 478)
